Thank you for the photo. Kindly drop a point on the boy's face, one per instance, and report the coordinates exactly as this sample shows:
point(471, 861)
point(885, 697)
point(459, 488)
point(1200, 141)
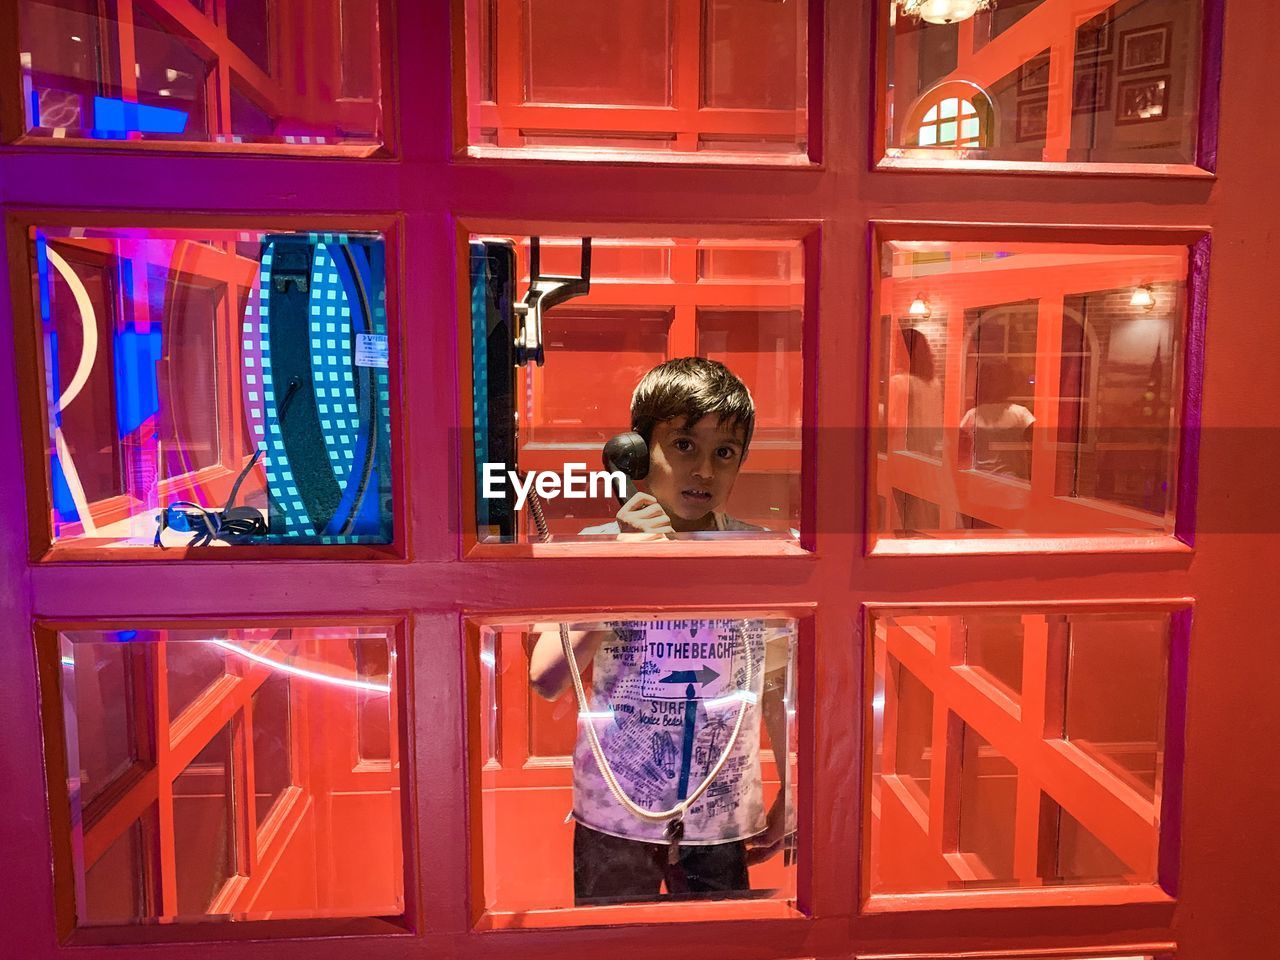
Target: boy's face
point(692, 467)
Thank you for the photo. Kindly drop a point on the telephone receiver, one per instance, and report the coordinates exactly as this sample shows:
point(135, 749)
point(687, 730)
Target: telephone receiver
point(629, 454)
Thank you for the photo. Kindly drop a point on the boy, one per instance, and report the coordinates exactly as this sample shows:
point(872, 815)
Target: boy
point(697, 419)
point(666, 695)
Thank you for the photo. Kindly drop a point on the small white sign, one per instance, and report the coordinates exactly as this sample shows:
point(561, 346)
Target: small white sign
point(371, 350)
point(689, 660)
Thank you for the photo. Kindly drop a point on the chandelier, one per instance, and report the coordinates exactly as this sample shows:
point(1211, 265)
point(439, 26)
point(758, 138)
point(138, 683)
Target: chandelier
point(943, 11)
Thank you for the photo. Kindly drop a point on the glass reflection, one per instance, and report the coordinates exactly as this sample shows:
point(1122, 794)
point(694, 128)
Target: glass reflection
point(263, 73)
point(1016, 749)
point(210, 388)
point(255, 802)
point(714, 322)
point(730, 79)
point(1044, 81)
point(1029, 388)
point(693, 716)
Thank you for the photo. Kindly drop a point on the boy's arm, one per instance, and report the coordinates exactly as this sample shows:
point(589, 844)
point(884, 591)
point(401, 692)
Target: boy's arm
point(548, 668)
point(774, 707)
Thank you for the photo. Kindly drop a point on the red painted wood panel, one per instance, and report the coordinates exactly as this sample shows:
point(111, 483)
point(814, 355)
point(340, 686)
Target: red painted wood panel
point(1229, 853)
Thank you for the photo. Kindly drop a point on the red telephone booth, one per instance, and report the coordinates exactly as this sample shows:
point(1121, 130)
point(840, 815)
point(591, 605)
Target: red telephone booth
point(998, 537)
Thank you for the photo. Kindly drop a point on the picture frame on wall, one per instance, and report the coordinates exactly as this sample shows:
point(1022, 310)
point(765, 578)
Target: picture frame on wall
point(1033, 76)
point(1145, 48)
point(1094, 37)
point(1032, 120)
point(1143, 101)
point(1091, 88)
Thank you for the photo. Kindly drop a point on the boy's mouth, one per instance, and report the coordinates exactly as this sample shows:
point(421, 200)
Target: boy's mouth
point(698, 497)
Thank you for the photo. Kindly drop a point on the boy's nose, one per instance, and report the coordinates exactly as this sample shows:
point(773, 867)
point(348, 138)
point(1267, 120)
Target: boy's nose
point(704, 468)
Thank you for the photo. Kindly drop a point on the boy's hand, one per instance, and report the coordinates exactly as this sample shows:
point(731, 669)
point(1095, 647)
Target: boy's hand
point(775, 838)
point(644, 514)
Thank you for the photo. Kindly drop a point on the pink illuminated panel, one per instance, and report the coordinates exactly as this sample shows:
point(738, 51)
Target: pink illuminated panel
point(973, 789)
point(724, 78)
point(256, 801)
point(738, 302)
point(213, 388)
point(1029, 388)
point(260, 72)
point(1046, 81)
point(664, 727)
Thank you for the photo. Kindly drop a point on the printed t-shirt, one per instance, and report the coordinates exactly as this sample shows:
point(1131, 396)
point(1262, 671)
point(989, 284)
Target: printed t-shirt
point(665, 696)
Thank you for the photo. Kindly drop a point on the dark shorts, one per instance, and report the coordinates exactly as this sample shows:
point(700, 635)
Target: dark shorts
point(609, 869)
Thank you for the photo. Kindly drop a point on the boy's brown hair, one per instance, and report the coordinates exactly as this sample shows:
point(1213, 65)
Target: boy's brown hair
point(692, 388)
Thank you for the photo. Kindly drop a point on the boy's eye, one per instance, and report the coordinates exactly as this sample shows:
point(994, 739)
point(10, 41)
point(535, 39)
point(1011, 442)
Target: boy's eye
point(683, 445)
point(726, 453)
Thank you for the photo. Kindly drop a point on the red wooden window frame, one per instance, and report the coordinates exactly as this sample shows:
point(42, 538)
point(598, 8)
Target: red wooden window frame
point(169, 743)
point(209, 265)
point(680, 294)
point(512, 766)
point(509, 114)
point(891, 467)
point(1029, 733)
point(1224, 905)
point(32, 365)
point(686, 296)
point(205, 33)
point(1205, 130)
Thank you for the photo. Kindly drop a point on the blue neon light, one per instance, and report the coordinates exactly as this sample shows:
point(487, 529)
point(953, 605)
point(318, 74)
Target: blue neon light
point(113, 117)
point(137, 390)
point(63, 503)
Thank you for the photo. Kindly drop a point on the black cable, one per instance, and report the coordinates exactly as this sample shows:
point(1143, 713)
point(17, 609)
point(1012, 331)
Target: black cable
point(372, 399)
point(235, 487)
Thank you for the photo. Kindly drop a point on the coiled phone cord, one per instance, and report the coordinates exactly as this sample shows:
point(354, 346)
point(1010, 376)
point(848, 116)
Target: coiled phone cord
point(675, 815)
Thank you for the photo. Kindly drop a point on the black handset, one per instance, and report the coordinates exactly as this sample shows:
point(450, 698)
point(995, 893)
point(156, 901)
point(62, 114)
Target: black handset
point(493, 369)
point(629, 454)
point(506, 335)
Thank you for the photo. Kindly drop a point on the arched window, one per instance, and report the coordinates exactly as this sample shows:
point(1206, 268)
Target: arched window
point(957, 115)
point(951, 123)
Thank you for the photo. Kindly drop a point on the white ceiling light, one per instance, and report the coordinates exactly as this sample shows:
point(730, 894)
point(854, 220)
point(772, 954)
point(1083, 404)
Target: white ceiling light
point(943, 11)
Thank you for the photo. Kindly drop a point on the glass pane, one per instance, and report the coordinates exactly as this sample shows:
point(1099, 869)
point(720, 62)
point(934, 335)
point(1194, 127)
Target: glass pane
point(626, 62)
point(118, 887)
point(272, 743)
point(209, 388)
point(913, 743)
point(993, 649)
point(1116, 696)
point(113, 738)
point(695, 80)
point(1081, 856)
point(204, 842)
point(172, 86)
point(739, 38)
point(1064, 791)
point(736, 306)
point(988, 811)
point(1029, 388)
point(690, 710)
point(192, 669)
point(249, 24)
point(1120, 86)
point(285, 821)
point(374, 660)
point(98, 71)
